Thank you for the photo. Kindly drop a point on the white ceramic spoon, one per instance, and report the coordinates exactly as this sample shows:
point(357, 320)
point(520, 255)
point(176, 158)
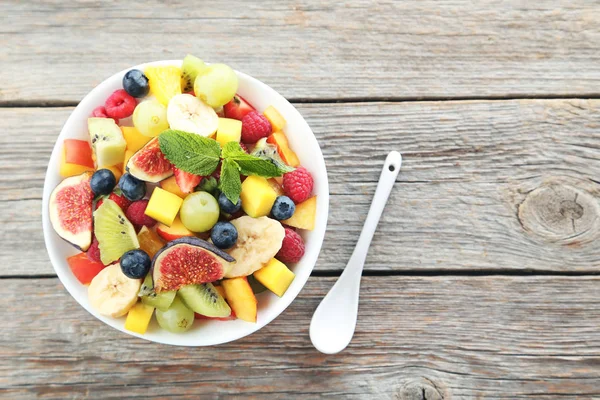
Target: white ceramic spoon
point(334, 321)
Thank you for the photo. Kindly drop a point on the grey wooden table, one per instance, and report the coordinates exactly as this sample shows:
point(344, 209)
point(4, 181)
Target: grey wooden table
point(482, 280)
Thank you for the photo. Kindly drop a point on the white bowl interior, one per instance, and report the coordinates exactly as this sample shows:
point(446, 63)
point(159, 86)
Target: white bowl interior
point(206, 332)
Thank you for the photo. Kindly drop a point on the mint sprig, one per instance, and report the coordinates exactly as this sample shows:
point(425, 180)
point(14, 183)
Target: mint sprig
point(230, 183)
point(190, 152)
point(200, 156)
point(253, 165)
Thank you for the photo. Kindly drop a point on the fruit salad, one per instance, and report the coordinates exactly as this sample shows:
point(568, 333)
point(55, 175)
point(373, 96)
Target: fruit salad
point(185, 200)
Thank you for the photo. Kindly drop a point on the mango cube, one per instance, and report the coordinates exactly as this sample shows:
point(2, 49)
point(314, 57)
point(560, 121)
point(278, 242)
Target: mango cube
point(283, 149)
point(135, 140)
point(221, 290)
point(257, 196)
point(175, 231)
point(150, 242)
point(276, 120)
point(78, 152)
point(170, 185)
point(304, 216)
point(275, 276)
point(139, 318)
point(277, 187)
point(163, 206)
point(117, 171)
point(240, 297)
point(68, 169)
point(229, 130)
point(128, 154)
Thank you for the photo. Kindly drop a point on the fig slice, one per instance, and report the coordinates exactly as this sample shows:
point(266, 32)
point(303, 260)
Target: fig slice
point(149, 163)
point(70, 210)
point(187, 261)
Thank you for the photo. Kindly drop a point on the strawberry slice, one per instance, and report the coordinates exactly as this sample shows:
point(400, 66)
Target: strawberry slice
point(186, 181)
point(237, 108)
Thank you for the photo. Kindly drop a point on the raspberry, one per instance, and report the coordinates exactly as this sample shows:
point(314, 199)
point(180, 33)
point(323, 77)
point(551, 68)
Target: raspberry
point(93, 252)
point(135, 214)
point(244, 147)
point(120, 104)
point(255, 126)
point(298, 185)
point(292, 248)
point(100, 112)
point(121, 201)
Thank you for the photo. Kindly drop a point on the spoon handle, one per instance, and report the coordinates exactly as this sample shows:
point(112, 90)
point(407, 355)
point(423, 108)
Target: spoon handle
point(390, 171)
point(334, 321)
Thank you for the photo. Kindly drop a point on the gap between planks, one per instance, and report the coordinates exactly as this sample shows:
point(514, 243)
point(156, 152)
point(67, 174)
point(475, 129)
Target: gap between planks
point(324, 100)
point(409, 273)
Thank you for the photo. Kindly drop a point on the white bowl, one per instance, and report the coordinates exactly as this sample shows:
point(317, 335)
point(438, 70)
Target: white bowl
point(204, 332)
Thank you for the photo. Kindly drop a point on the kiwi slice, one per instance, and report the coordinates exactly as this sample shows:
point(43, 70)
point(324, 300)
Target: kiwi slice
point(107, 141)
point(147, 286)
point(269, 151)
point(114, 232)
point(190, 69)
point(161, 301)
point(205, 300)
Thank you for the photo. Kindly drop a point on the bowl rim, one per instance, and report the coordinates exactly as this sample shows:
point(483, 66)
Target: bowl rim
point(58, 259)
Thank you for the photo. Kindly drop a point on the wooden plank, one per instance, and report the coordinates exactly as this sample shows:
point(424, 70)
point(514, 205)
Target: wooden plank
point(310, 50)
point(468, 196)
point(450, 337)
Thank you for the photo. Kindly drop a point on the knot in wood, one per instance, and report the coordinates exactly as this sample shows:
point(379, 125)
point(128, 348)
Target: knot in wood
point(421, 389)
point(560, 213)
point(570, 209)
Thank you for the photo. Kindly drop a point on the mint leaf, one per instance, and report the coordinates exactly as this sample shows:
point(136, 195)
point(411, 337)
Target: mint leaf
point(190, 152)
point(232, 149)
point(253, 165)
point(230, 183)
point(259, 167)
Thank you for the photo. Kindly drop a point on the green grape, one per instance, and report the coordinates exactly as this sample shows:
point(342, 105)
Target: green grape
point(216, 85)
point(178, 318)
point(150, 118)
point(199, 212)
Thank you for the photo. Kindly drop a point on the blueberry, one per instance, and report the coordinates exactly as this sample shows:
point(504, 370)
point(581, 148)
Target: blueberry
point(133, 189)
point(227, 206)
point(224, 235)
point(135, 264)
point(136, 83)
point(283, 208)
point(103, 182)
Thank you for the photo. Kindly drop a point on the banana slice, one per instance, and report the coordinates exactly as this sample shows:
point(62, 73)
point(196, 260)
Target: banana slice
point(112, 293)
point(188, 113)
point(259, 239)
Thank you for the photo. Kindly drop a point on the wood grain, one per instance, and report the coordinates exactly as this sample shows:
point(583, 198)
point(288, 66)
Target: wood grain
point(467, 197)
point(55, 52)
point(450, 338)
